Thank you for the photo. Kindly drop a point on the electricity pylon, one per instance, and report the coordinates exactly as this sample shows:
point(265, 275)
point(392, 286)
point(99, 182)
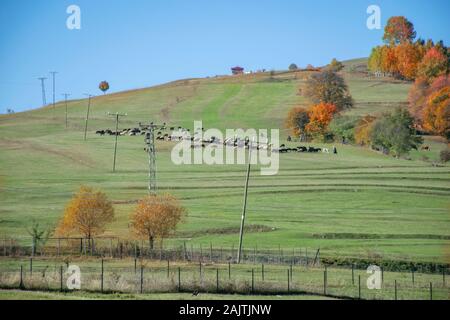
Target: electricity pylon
point(150, 142)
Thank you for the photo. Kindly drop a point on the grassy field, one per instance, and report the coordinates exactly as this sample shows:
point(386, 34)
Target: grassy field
point(121, 278)
point(356, 204)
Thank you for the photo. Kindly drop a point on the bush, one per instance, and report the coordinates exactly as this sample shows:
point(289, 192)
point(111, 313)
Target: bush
point(445, 155)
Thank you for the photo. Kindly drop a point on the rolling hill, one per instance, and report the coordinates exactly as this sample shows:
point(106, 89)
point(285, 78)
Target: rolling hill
point(356, 204)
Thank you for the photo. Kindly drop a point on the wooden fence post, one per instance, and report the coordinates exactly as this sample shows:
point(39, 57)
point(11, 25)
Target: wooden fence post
point(229, 270)
point(31, 266)
point(217, 280)
point(102, 278)
point(21, 285)
point(443, 276)
point(359, 287)
point(291, 271)
point(135, 265)
point(142, 279)
point(288, 282)
point(179, 279)
point(395, 289)
point(412, 276)
point(184, 248)
point(325, 281)
point(353, 274)
point(61, 275)
point(262, 271)
point(253, 281)
point(431, 291)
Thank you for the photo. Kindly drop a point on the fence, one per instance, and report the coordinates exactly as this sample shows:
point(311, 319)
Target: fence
point(115, 248)
point(142, 276)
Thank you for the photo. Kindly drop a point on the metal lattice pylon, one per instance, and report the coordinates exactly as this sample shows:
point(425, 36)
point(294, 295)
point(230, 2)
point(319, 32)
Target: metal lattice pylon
point(151, 149)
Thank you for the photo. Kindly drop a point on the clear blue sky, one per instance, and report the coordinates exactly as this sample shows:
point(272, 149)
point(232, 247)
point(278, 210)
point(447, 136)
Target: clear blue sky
point(137, 43)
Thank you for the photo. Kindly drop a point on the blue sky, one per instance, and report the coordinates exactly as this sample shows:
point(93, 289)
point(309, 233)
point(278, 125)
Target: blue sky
point(137, 43)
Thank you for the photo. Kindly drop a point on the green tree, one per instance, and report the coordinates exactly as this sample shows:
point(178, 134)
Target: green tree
point(394, 133)
point(343, 127)
point(328, 87)
point(39, 235)
point(293, 67)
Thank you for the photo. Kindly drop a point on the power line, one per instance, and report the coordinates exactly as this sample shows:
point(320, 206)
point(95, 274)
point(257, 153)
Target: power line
point(44, 100)
point(117, 115)
point(65, 101)
point(87, 114)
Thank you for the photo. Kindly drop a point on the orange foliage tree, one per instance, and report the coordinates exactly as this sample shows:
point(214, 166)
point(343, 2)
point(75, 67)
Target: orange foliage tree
point(437, 112)
point(296, 120)
point(398, 30)
point(156, 216)
point(434, 64)
point(87, 213)
point(320, 116)
point(408, 56)
point(363, 130)
point(420, 94)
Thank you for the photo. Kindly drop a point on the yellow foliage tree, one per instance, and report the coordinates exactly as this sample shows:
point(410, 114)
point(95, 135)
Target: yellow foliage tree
point(156, 216)
point(437, 112)
point(363, 130)
point(87, 213)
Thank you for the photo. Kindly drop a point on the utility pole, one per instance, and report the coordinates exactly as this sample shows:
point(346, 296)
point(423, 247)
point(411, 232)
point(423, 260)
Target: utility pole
point(53, 73)
point(65, 101)
point(87, 114)
point(150, 142)
point(44, 100)
point(244, 207)
point(116, 115)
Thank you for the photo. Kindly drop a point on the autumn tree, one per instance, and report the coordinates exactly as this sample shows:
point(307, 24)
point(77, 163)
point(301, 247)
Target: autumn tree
point(155, 217)
point(363, 130)
point(296, 121)
point(103, 86)
point(335, 65)
point(398, 30)
point(408, 56)
point(389, 62)
point(87, 213)
point(376, 59)
point(437, 112)
point(330, 88)
point(320, 116)
point(434, 64)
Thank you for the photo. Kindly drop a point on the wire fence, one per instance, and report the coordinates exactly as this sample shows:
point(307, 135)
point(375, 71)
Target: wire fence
point(149, 276)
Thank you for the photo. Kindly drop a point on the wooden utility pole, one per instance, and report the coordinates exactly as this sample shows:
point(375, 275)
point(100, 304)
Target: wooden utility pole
point(116, 115)
point(53, 73)
point(244, 207)
point(87, 114)
point(65, 102)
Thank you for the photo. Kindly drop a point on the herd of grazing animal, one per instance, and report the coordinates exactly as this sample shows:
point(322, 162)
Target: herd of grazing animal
point(165, 133)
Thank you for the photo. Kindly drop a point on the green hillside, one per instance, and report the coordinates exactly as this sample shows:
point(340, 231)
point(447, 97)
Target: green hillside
point(358, 203)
